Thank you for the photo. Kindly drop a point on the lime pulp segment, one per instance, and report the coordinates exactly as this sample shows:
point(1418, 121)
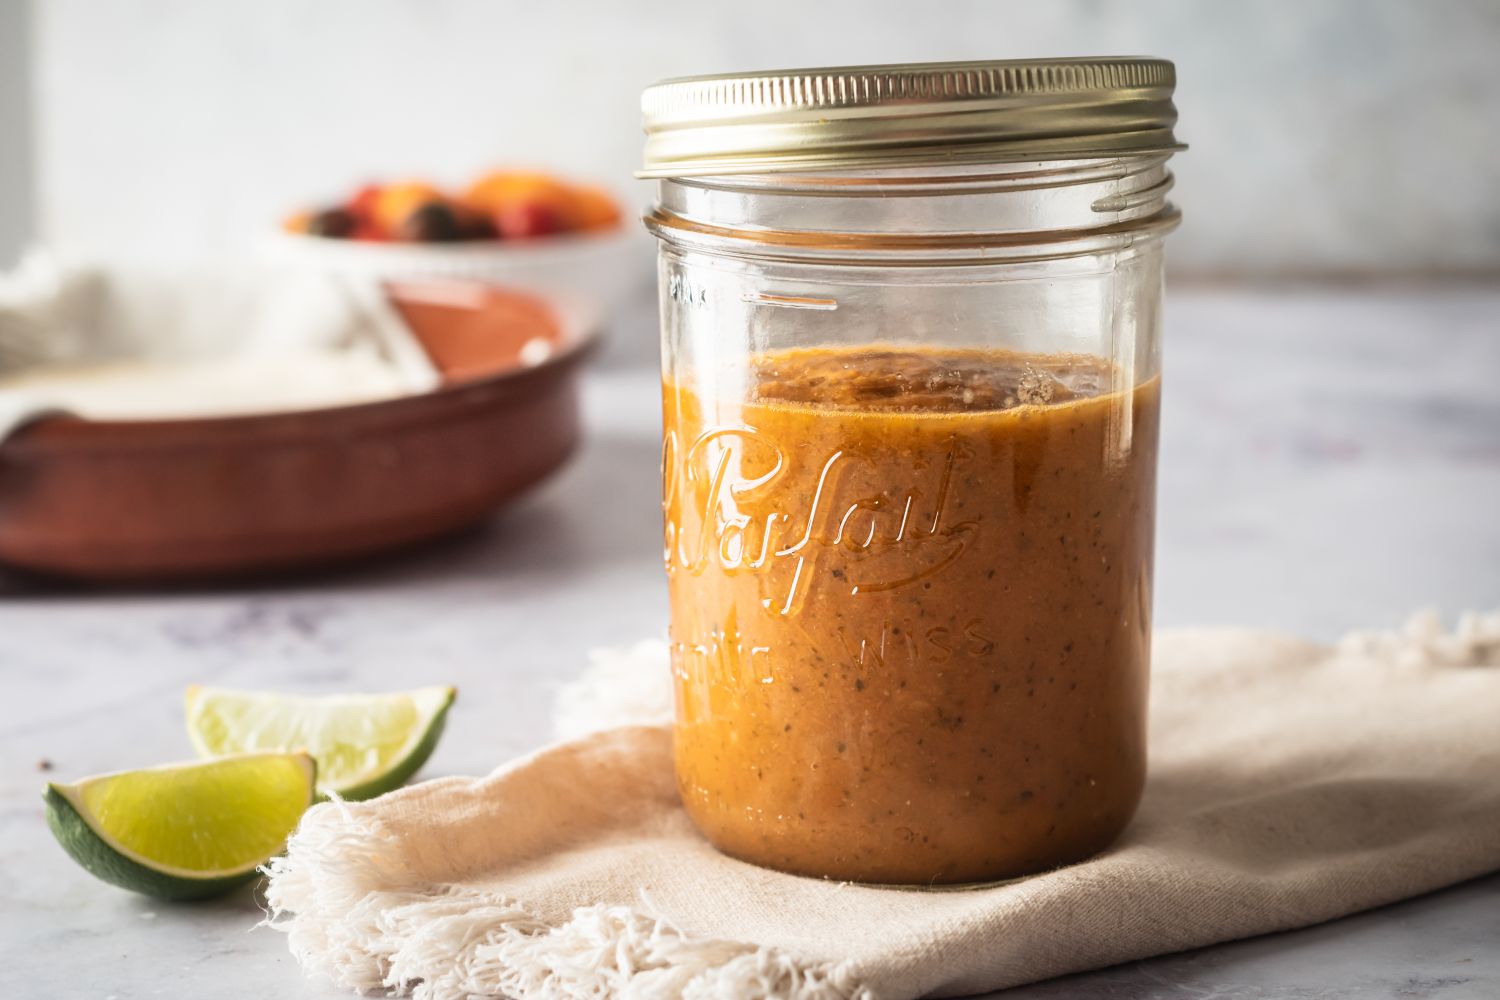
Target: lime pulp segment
point(364, 744)
point(183, 830)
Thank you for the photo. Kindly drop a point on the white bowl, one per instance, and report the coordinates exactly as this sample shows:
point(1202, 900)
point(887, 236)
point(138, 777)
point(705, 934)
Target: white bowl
point(601, 269)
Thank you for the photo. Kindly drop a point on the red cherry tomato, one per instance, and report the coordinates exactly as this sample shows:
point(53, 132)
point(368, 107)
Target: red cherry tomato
point(362, 205)
point(526, 219)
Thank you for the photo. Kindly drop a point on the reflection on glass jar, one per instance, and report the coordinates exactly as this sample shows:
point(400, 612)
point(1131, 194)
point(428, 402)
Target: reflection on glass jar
point(908, 480)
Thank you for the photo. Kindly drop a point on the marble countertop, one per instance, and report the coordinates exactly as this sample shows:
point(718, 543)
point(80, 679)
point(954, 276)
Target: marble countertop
point(1330, 460)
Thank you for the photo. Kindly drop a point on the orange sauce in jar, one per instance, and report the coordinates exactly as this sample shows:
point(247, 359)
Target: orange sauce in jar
point(910, 594)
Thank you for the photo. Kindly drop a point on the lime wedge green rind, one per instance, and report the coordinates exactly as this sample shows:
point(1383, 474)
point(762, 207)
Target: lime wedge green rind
point(408, 765)
point(97, 859)
point(186, 831)
point(365, 745)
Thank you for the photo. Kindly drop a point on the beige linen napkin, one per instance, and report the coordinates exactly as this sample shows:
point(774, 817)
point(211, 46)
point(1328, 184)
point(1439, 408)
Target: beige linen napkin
point(1291, 783)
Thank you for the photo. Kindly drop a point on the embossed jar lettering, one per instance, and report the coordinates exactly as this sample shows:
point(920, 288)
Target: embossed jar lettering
point(726, 500)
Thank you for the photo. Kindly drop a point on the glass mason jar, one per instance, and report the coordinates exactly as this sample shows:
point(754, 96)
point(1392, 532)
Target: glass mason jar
point(911, 381)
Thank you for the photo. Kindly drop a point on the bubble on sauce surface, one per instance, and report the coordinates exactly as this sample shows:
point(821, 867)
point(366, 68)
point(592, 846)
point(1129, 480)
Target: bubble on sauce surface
point(927, 379)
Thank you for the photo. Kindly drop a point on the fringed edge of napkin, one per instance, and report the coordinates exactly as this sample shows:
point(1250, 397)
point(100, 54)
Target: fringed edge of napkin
point(455, 942)
point(1424, 641)
point(615, 689)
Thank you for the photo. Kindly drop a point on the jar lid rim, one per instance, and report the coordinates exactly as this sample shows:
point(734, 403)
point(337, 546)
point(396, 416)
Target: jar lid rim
point(908, 114)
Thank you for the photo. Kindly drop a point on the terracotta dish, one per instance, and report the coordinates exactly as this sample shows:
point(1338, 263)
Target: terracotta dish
point(172, 500)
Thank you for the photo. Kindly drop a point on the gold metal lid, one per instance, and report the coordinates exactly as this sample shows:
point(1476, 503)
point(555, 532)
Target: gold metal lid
point(920, 114)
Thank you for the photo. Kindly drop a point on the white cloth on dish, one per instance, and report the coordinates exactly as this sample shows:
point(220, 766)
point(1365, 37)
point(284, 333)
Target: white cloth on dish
point(120, 343)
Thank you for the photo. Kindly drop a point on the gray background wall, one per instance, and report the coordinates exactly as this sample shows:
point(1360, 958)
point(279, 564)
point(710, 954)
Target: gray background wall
point(1328, 137)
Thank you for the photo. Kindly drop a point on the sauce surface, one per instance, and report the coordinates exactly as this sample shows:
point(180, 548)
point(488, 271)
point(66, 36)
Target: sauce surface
point(910, 597)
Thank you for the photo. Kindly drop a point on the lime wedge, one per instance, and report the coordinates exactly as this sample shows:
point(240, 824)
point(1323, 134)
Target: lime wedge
point(183, 831)
point(365, 744)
